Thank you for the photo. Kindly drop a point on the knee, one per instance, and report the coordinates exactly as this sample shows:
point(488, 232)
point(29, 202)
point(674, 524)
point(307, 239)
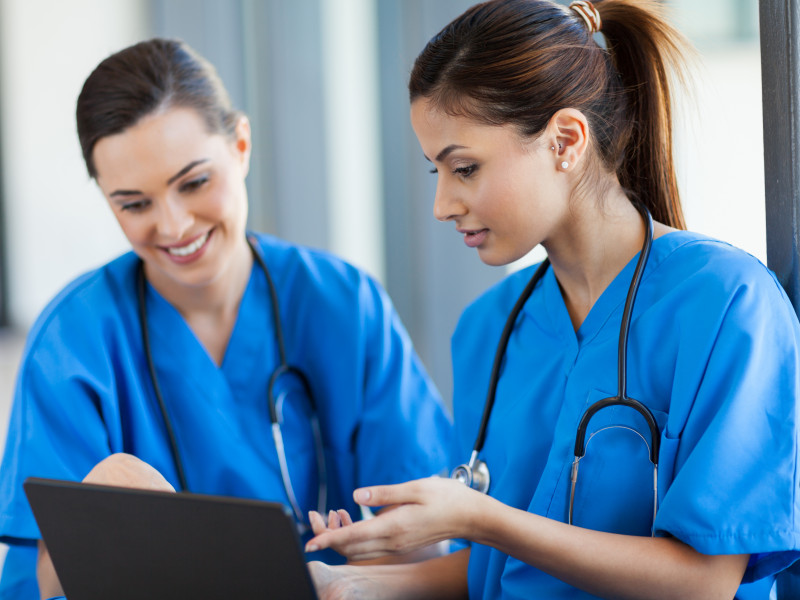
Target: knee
point(126, 470)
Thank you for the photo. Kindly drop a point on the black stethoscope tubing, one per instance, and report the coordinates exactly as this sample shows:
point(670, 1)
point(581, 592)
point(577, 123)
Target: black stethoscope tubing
point(475, 473)
point(283, 368)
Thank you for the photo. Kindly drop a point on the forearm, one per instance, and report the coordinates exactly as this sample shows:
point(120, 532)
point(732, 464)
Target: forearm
point(608, 565)
point(49, 585)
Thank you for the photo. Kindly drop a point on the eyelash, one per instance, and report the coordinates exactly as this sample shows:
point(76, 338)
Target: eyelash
point(467, 171)
point(135, 207)
point(187, 188)
point(464, 172)
point(194, 184)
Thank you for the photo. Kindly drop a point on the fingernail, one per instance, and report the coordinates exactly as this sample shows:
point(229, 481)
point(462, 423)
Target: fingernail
point(362, 495)
point(311, 547)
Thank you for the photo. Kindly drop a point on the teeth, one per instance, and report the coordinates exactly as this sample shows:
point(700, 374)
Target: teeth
point(190, 248)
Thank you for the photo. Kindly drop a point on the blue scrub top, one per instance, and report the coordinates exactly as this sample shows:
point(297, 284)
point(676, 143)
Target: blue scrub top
point(713, 352)
point(83, 392)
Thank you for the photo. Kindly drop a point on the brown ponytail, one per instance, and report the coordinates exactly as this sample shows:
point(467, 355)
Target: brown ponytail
point(520, 61)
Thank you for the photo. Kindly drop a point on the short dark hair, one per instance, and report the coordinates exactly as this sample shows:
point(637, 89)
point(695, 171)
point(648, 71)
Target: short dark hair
point(144, 78)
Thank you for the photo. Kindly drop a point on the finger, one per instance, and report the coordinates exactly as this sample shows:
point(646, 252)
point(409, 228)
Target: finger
point(317, 522)
point(345, 536)
point(344, 516)
point(355, 550)
point(334, 522)
point(384, 495)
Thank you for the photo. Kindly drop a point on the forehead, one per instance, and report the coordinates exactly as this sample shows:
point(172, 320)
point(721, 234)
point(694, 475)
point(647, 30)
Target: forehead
point(160, 143)
point(436, 129)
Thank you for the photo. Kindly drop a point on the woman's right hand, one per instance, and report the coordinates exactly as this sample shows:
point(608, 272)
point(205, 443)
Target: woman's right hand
point(416, 514)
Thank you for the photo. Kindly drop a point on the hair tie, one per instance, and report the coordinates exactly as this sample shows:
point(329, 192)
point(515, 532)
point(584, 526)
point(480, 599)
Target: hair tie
point(588, 13)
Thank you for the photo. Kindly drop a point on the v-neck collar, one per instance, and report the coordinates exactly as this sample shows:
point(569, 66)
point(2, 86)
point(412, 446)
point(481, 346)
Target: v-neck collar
point(612, 298)
point(178, 351)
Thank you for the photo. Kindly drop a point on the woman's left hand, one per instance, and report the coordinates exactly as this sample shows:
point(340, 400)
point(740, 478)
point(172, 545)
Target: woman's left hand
point(416, 514)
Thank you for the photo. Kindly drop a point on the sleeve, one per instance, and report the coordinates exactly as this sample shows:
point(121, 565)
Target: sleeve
point(730, 449)
point(56, 429)
point(405, 432)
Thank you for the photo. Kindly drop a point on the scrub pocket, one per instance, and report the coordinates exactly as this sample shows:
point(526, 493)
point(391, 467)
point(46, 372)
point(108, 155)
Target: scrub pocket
point(614, 490)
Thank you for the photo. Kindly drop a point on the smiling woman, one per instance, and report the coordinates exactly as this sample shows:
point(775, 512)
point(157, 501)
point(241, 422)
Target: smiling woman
point(188, 351)
point(179, 197)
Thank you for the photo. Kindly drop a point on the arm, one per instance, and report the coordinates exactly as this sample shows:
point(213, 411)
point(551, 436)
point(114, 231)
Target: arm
point(438, 579)
point(603, 564)
point(49, 585)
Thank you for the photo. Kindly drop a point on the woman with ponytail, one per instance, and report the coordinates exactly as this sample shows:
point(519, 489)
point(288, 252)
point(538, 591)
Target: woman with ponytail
point(658, 345)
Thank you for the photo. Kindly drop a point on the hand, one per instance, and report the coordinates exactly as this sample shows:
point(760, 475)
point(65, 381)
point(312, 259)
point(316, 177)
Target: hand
point(417, 514)
point(336, 519)
point(343, 582)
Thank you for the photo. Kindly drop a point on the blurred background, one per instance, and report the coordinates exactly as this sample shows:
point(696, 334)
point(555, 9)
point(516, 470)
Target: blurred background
point(335, 163)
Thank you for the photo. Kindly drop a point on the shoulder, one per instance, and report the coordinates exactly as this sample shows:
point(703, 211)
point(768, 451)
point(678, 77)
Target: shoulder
point(711, 270)
point(299, 268)
point(86, 302)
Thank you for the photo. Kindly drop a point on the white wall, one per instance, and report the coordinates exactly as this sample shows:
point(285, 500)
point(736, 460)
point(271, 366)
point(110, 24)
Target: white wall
point(720, 149)
point(354, 180)
point(57, 222)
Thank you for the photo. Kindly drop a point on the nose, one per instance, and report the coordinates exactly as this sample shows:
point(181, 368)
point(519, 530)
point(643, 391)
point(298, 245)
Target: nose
point(446, 204)
point(173, 219)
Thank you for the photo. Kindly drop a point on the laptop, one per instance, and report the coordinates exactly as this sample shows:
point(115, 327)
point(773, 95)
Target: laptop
point(112, 543)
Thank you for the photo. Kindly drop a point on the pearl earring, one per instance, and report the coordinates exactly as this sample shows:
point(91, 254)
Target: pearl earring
point(564, 165)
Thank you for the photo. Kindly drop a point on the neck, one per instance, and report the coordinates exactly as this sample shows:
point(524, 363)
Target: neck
point(219, 297)
point(592, 247)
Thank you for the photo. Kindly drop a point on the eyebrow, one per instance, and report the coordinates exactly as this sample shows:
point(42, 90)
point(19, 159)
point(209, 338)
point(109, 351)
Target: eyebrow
point(447, 151)
point(178, 175)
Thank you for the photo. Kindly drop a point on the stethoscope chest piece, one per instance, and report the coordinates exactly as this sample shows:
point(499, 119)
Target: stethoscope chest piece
point(474, 474)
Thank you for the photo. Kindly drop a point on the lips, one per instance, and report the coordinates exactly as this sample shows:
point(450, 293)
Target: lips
point(474, 237)
point(190, 251)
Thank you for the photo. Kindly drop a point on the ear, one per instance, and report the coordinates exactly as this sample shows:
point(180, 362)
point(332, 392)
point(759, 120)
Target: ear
point(242, 142)
point(568, 131)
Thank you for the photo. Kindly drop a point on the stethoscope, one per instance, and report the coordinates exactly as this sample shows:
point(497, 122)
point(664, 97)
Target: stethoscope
point(475, 473)
point(275, 399)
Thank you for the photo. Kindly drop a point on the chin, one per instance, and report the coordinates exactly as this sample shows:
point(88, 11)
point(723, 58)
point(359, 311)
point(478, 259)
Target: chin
point(494, 260)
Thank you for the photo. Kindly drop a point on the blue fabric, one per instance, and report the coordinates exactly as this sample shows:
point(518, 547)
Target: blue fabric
point(713, 352)
point(83, 391)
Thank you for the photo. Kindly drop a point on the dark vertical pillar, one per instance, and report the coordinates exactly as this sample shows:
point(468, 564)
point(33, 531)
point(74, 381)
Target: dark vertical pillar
point(780, 61)
point(780, 67)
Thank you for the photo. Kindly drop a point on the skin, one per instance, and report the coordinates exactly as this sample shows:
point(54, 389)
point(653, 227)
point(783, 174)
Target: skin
point(517, 193)
point(168, 182)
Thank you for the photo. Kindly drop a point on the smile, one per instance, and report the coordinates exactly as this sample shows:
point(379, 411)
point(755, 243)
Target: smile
point(189, 248)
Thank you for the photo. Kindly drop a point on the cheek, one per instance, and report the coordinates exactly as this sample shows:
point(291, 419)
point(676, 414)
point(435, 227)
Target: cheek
point(227, 199)
point(132, 229)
